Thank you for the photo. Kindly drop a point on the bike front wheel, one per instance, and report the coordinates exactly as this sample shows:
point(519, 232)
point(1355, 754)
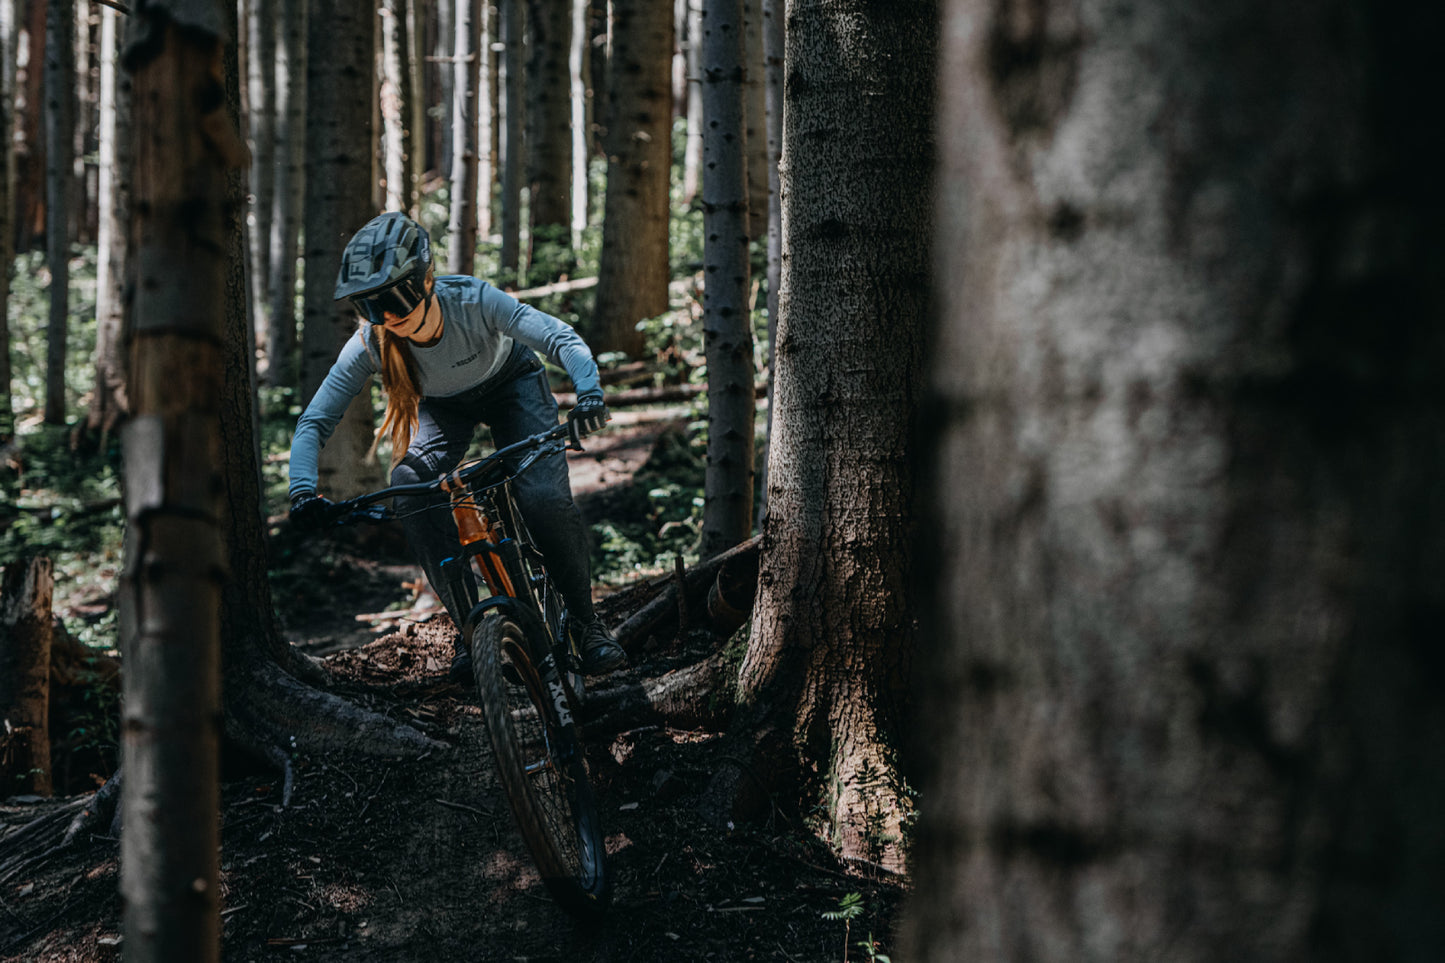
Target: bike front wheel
point(539, 759)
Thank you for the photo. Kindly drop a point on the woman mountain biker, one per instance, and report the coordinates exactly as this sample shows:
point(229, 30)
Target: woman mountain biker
point(454, 353)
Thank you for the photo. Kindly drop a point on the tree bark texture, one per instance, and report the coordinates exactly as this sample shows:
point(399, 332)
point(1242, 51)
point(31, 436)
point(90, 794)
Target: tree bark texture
point(445, 41)
point(486, 120)
point(287, 191)
point(8, 35)
point(549, 122)
point(755, 118)
point(26, 587)
point(466, 77)
point(108, 398)
point(59, 161)
point(513, 113)
point(826, 672)
point(692, 150)
point(634, 267)
point(175, 557)
point(727, 322)
point(261, 30)
point(398, 132)
point(579, 68)
point(341, 39)
point(1185, 502)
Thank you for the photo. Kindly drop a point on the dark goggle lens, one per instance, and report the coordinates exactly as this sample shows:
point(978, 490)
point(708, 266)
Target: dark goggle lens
point(400, 299)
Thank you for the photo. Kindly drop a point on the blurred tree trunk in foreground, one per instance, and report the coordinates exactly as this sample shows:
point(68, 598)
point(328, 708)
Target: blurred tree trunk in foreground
point(1187, 516)
point(170, 590)
point(822, 691)
point(634, 268)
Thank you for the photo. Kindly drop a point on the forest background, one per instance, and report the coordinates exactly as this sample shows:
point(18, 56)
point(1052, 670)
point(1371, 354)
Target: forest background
point(1094, 600)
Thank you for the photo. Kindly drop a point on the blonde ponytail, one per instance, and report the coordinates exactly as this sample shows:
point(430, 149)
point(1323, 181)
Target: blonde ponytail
point(398, 381)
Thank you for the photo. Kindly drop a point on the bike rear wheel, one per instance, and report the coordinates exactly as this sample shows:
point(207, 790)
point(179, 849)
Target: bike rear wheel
point(539, 759)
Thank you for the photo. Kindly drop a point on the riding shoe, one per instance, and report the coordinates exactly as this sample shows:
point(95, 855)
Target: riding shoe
point(600, 649)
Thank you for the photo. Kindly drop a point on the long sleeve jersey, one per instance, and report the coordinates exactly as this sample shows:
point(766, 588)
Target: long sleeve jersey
point(480, 325)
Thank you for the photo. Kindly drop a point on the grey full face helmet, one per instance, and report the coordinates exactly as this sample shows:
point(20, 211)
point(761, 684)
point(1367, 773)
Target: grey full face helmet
point(384, 267)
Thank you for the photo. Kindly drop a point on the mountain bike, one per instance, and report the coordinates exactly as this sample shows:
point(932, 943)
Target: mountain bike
point(526, 665)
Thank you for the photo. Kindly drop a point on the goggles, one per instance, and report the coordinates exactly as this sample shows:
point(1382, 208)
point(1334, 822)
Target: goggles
point(400, 299)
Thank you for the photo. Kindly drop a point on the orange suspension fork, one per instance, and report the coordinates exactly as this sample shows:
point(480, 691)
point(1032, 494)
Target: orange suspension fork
point(473, 527)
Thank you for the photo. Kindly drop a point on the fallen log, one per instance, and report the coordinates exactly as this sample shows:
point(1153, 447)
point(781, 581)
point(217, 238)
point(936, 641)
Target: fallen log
point(698, 696)
point(651, 396)
point(696, 584)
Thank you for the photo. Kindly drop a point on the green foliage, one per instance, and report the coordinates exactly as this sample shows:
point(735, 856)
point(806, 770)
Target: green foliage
point(850, 908)
point(28, 312)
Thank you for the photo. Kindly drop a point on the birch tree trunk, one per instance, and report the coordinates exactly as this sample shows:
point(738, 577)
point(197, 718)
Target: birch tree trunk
point(398, 132)
point(634, 268)
point(692, 151)
point(513, 113)
point(824, 681)
point(1185, 501)
point(175, 567)
point(466, 74)
point(287, 195)
point(339, 138)
point(579, 69)
point(59, 163)
point(727, 327)
point(26, 588)
point(416, 25)
point(486, 119)
point(108, 397)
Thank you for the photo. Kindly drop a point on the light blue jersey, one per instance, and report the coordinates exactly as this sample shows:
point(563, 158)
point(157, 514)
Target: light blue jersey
point(479, 326)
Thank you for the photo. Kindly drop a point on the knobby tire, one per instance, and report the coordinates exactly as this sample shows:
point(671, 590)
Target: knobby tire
point(541, 768)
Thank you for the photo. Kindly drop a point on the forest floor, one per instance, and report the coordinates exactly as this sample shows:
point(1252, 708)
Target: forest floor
point(419, 859)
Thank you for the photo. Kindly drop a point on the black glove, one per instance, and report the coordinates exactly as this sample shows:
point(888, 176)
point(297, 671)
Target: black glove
point(587, 416)
point(309, 511)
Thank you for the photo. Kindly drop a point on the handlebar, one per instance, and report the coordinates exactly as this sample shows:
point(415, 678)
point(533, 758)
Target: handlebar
point(363, 508)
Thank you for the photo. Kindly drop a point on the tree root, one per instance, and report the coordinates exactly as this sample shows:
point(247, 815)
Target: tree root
point(698, 696)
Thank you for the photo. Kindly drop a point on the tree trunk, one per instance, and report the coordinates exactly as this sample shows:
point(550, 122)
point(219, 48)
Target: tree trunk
point(395, 101)
point(1185, 686)
point(25, 633)
point(466, 75)
point(59, 161)
point(486, 120)
point(755, 118)
point(692, 151)
point(416, 27)
point(824, 680)
point(634, 269)
point(108, 398)
point(341, 41)
point(287, 192)
point(727, 327)
point(549, 135)
point(30, 145)
point(175, 565)
point(510, 83)
point(446, 24)
point(261, 30)
point(579, 69)
point(773, 36)
point(8, 35)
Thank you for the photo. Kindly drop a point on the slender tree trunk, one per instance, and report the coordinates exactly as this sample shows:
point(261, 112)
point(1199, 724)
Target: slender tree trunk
point(549, 133)
point(824, 681)
point(30, 164)
point(416, 27)
point(578, 72)
point(446, 27)
point(1184, 691)
point(462, 228)
point(512, 22)
point(773, 44)
point(59, 151)
point(108, 398)
point(8, 38)
point(755, 118)
point(486, 119)
point(287, 196)
point(261, 30)
point(395, 101)
point(26, 587)
point(634, 267)
point(339, 139)
point(171, 589)
point(727, 326)
point(692, 151)
point(82, 123)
